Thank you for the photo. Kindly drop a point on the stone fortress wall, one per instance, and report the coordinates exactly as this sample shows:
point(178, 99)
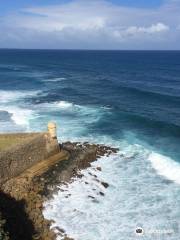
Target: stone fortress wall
point(25, 150)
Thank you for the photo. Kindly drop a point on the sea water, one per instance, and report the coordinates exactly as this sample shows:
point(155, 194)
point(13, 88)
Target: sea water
point(124, 99)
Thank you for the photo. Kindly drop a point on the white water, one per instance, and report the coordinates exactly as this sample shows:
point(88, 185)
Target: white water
point(165, 166)
point(10, 101)
point(59, 79)
point(11, 96)
point(135, 197)
point(138, 193)
point(73, 120)
point(19, 115)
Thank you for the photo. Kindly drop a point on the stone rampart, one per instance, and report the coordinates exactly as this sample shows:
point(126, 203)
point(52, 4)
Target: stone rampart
point(30, 149)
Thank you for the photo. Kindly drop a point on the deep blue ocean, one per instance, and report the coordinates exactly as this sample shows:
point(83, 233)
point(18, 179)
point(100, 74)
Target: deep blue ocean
point(126, 99)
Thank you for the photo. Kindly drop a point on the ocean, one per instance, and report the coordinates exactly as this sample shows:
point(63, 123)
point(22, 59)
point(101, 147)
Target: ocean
point(124, 99)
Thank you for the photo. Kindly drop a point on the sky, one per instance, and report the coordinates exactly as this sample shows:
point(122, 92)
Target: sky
point(90, 24)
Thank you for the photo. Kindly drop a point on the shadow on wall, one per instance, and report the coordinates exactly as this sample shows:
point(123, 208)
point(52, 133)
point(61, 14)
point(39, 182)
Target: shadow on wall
point(17, 224)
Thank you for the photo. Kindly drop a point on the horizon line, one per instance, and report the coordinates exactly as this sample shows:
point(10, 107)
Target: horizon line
point(84, 49)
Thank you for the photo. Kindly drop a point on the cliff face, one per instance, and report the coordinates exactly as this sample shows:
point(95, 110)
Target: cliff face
point(22, 197)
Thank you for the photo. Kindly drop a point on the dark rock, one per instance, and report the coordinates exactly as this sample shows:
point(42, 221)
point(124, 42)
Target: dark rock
point(106, 185)
point(60, 229)
point(89, 196)
point(99, 168)
point(34, 191)
point(101, 193)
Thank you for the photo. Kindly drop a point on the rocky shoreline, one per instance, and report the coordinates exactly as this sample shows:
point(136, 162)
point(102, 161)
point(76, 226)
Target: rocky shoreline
point(22, 198)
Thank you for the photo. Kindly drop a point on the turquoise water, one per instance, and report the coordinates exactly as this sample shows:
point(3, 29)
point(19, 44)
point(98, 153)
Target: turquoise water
point(128, 99)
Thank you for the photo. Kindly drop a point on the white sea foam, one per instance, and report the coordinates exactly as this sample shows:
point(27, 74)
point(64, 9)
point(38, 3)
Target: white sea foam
point(85, 214)
point(12, 101)
point(73, 120)
point(165, 166)
point(87, 111)
point(128, 173)
point(20, 116)
point(126, 203)
point(64, 104)
point(55, 106)
point(83, 223)
point(55, 79)
point(11, 96)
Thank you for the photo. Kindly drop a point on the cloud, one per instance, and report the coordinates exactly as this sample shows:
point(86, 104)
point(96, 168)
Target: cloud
point(154, 28)
point(92, 24)
point(134, 31)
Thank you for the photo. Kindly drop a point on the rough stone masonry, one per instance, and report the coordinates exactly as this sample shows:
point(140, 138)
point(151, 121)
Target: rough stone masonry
point(30, 149)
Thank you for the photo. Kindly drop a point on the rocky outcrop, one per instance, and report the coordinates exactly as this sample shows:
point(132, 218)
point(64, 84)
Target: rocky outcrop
point(25, 195)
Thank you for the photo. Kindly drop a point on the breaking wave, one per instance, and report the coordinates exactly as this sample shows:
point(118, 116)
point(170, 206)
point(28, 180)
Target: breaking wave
point(55, 79)
point(64, 104)
point(142, 120)
point(11, 96)
point(165, 166)
point(12, 103)
point(85, 209)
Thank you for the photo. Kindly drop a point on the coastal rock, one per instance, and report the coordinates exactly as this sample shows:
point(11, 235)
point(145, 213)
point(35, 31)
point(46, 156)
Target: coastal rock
point(27, 194)
point(99, 168)
point(106, 185)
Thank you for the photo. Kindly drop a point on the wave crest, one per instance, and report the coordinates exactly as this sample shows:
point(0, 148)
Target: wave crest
point(55, 79)
point(64, 104)
point(165, 166)
point(11, 96)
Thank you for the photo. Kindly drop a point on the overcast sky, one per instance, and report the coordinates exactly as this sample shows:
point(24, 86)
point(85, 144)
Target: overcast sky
point(90, 24)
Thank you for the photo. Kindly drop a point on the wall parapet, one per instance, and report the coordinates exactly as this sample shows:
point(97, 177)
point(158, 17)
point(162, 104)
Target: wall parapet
point(33, 148)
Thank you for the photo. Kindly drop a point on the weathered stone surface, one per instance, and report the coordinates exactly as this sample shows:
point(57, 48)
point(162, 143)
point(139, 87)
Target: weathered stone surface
point(30, 193)
point(34, 148)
